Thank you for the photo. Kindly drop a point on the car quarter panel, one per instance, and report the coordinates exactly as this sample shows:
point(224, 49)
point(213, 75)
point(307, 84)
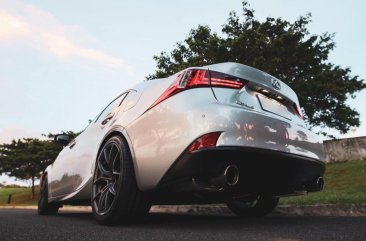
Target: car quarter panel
point(161, 135)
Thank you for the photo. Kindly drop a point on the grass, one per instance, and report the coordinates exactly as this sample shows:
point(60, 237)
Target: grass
point(20, 196)
point(345, 183)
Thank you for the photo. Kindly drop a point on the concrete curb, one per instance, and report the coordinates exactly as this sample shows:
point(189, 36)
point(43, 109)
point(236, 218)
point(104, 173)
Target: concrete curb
point(323, 210)
point(307, 210)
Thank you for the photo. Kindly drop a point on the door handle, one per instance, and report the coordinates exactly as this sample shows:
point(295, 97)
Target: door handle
point(107, 119)
point(72, 144)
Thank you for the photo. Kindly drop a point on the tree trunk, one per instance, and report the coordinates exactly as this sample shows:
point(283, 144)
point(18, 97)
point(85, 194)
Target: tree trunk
point(32, 187)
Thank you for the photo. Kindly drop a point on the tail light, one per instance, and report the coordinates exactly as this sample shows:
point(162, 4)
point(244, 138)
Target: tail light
point(201, 78)
point(195, 78)
point(205, 141)
point(299, 111)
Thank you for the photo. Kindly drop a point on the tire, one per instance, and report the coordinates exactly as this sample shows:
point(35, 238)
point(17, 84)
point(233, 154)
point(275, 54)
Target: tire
point(44, 207)
point(115, 195)
point(258, 207)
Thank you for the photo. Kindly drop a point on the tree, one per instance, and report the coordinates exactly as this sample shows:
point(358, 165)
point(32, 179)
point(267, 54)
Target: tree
point(284, 49)
point(26, 159)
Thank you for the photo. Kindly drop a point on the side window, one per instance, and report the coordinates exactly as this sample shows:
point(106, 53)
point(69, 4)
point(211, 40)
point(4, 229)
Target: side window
point(113, 105)
point(130, 101)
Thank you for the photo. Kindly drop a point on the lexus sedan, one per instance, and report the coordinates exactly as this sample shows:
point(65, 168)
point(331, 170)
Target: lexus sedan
point(223, 133)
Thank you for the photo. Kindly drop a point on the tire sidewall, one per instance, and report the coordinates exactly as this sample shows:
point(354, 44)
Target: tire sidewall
point(111, 214)
point(264, 205)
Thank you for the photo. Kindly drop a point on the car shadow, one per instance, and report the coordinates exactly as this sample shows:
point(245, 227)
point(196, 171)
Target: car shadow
point(81, 225)
point(211, 222)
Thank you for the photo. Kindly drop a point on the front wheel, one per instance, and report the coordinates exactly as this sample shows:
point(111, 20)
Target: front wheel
point(44, 207)
point(256, 207)
point(115, 195)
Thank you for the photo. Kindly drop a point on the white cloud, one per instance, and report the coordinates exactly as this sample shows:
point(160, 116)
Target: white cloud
point(14, 133)
point(29, 25)
point(11, 27)
point(4, 179)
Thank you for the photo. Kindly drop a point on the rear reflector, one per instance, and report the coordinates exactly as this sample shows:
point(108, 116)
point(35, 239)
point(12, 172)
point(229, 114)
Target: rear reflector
point(195, 78)
point(205, 141)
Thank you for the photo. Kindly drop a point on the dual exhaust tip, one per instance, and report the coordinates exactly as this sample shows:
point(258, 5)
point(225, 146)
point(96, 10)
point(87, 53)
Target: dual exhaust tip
point(230, 177)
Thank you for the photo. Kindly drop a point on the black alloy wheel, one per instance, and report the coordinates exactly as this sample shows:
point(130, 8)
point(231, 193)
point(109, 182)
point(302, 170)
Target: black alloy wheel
point(44, 207)
point(115, 195)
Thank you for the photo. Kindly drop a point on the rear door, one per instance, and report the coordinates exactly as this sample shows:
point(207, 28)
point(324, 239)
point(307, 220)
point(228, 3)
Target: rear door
point(73, 167)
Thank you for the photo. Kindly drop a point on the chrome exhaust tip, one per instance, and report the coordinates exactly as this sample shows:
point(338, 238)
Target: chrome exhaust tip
point(229, 177)
point(320, 183)
point(231, 174)
point(316, 185)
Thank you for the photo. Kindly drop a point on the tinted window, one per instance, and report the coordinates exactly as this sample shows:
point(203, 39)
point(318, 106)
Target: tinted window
point(114, 104)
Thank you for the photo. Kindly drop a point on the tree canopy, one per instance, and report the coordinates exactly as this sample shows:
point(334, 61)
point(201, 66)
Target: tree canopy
point(284, 49)
point(27, 158)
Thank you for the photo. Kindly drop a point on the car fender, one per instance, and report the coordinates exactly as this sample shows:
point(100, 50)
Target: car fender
point(119, 130)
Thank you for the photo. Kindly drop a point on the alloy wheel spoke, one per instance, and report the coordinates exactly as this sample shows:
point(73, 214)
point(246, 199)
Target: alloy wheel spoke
point(115, 159)
point(106, 200)
point(101, 202)
point(106, 157)
point(112, 189)
point(116, 174)
point(97, 195)
point(109, 162)
point(103, 179)
point(105, 153)
point(105, 184)
point(103, 170)
point(102, 198)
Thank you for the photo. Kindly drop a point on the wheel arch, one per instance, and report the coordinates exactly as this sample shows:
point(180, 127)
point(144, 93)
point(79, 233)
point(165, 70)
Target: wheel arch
point(120, 131)
point(43, 175)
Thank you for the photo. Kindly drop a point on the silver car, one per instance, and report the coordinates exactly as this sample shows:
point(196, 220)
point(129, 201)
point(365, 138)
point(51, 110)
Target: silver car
point(223, 133)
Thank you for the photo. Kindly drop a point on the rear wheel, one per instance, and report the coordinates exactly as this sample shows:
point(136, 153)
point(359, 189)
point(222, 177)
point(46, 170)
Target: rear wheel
point(115, 195)
point(256, 207)
point(44, 207)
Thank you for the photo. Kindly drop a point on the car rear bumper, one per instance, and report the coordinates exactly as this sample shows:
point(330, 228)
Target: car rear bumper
point(162, 134)
point(271, 172)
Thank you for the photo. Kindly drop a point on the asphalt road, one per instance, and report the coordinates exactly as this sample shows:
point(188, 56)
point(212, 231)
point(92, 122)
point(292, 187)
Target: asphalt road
point(18, 224)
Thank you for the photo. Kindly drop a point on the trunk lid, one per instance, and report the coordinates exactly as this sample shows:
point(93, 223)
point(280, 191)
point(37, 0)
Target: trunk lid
point(261, 92)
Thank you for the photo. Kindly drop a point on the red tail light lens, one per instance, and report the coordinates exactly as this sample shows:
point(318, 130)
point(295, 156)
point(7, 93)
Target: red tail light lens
point(172, 90)
point(205, 141)
point(299, 111)
point(199, 77)
point(195, 78)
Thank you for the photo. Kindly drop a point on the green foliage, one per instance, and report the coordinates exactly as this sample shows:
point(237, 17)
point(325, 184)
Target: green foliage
point(26, 159)
point(20, 196)
point(284, 49)
point(344, 183)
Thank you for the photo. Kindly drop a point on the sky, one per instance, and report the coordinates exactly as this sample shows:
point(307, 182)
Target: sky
point(61, 62)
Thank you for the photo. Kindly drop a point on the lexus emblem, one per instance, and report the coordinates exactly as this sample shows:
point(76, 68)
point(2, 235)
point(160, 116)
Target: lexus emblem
point(276, 84)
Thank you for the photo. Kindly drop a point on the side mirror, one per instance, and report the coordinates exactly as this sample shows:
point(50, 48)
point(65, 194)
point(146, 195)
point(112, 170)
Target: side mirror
point(62, 139)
